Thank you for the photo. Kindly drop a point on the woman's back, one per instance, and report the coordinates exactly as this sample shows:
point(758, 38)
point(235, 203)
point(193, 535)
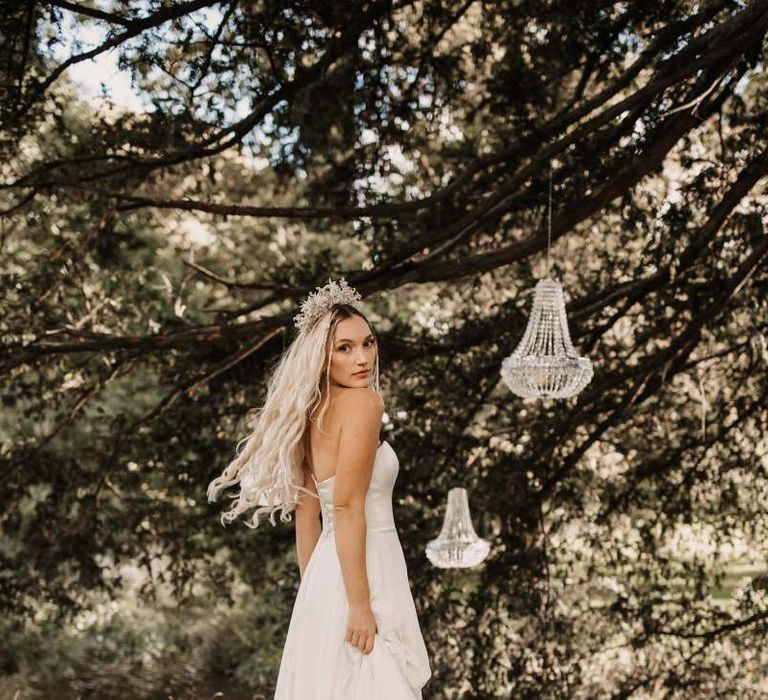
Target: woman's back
point(323, 446)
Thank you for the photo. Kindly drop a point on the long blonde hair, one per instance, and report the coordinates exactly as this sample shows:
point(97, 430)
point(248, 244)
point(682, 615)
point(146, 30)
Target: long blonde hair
point(270, 467)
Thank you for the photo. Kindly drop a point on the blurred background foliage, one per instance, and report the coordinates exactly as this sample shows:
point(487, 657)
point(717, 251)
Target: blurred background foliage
point(176, 176)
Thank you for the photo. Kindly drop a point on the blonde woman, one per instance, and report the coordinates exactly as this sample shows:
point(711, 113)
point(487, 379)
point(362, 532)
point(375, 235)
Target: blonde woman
point(314, 448)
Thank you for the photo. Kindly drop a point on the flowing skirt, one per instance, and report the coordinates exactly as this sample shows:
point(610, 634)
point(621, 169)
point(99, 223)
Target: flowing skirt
point(319, 664)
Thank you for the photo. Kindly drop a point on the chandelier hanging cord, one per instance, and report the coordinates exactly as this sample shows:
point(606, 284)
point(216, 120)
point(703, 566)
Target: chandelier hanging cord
point(549, 221)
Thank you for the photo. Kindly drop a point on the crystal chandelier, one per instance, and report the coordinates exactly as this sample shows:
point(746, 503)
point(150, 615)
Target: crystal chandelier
point(458, 545)
point(545, 364)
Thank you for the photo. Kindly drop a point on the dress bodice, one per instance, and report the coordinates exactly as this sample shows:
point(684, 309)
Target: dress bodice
point(378, 501)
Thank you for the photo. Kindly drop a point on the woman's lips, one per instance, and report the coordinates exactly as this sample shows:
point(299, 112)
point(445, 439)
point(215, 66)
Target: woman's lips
point(360, 374)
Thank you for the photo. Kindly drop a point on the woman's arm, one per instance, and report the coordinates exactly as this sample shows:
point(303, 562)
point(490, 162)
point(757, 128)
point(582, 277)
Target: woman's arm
point(307, 524)
point(361, 411)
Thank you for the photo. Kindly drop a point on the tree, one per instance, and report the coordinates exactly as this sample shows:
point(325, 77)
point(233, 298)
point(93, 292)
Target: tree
point(153, 260)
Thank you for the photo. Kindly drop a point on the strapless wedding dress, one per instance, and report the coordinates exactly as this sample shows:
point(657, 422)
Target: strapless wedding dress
point(317, 662)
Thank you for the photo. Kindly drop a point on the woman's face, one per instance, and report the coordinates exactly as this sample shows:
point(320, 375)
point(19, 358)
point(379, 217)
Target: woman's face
point(353, 350)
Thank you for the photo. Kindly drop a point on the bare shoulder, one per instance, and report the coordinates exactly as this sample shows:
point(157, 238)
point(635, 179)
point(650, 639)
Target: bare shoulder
point(360, 399)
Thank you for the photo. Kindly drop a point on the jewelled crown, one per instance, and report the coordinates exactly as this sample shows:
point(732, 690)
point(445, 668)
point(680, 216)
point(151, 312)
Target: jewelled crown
point(322, 300)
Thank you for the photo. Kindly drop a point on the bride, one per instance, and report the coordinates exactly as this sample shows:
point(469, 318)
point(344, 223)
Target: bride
point(354, 632)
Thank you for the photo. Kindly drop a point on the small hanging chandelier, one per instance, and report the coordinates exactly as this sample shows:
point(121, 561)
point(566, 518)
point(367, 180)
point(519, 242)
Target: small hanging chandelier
point(545, 364)
point(458, 545)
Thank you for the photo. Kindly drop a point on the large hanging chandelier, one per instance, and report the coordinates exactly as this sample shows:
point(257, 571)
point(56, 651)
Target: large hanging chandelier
point(545, 364)
point(457, 545)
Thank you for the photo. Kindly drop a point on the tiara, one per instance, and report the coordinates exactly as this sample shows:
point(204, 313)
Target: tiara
point(321, 301)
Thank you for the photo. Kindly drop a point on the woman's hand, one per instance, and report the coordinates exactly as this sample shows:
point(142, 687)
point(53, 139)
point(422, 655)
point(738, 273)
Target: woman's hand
point(361, 627)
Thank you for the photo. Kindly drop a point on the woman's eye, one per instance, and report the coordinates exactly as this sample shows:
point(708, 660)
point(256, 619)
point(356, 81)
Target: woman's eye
point(368, 342)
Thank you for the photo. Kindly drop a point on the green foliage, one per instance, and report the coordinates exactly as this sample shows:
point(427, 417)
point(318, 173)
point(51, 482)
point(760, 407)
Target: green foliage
point(120, 650)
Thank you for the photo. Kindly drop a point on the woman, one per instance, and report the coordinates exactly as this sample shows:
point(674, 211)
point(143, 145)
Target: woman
point(354, 633)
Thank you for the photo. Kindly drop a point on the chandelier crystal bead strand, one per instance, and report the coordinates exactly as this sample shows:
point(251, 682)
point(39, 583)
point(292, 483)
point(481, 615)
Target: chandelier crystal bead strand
point(457, 545)
point(545, 364)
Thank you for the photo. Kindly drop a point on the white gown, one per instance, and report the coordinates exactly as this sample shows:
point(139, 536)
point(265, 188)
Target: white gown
point(317, 662)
